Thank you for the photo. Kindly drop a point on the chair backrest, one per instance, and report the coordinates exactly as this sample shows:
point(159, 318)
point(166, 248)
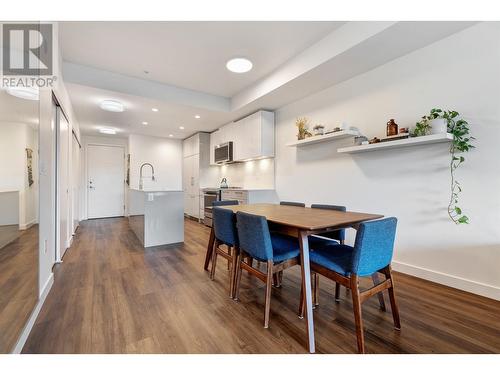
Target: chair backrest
point(336, 234)
point(374, 246)
point(298, 204)
point(224, 203)
point(224, 223)
point(254, 236)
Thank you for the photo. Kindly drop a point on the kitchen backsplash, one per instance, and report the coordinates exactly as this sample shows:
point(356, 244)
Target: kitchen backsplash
point(255, 174)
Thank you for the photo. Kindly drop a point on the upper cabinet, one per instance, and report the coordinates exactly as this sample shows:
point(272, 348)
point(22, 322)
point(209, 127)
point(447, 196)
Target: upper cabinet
point(191, 146)
point(252, 137)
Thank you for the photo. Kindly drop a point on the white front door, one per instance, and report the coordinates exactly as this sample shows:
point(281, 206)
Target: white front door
point(105, 185)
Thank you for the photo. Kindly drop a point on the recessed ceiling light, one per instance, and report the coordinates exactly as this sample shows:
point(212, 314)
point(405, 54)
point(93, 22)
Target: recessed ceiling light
point(107, 131)
point(144, 123)
point(112, 106)
point(30, 93)
point(197, 116)
point(170, 135)
point(239, 65)
point(181, 127)
point(154, 109)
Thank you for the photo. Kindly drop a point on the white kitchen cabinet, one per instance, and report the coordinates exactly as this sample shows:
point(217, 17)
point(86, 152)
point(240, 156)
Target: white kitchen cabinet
point(195, 163)
point(252, 137)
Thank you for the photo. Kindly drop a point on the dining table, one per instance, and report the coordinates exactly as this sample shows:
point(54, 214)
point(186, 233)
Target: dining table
point(299, 222)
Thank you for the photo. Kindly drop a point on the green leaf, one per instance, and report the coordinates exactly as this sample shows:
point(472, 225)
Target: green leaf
point(463, 220)
point(458, 210)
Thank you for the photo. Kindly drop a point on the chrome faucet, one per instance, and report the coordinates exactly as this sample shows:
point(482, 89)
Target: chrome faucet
point(141, 185)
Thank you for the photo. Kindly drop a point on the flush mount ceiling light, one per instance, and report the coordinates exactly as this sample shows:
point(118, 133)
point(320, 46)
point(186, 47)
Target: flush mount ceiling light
point(144, 123)
point(29, 93)
point(181, 127)
point(154, 109)
point(170, 135)
point(197, 116)
point(112, 106)
point(107, 131)
point(239, 65)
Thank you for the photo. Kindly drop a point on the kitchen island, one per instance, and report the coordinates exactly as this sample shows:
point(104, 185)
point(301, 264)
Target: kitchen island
point(156, 217)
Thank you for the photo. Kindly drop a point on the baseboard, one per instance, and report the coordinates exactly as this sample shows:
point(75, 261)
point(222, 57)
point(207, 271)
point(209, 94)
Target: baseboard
point(27, 225)
point(31, 321)
point(457, 282)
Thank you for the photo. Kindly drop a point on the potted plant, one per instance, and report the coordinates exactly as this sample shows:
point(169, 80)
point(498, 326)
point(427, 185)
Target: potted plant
point(461, 142)
point(433, 123)
point(302, 124)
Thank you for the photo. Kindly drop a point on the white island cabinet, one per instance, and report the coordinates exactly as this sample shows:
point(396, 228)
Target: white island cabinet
point(156, 217)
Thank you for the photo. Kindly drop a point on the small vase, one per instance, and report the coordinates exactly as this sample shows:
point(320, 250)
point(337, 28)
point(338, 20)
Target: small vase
point(438, 126)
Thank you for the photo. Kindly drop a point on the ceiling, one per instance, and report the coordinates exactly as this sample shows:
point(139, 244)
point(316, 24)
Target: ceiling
point(191, 55)
point(166, 121)
point(187, 74)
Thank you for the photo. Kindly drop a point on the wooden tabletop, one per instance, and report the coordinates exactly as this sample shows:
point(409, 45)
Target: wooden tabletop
point(304, 217)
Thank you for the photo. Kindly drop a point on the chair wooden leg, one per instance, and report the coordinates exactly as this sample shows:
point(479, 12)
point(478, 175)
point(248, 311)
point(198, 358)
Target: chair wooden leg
point(337, 292)
point(275, 280)
point(316, 290)
point(380, 295)
point(230, 252)
point(232, 276)
point(356, 304)
point(392, 299)
point(280, 278)
point(269, 288)
point(214, 260)
point(238, 276)
point(301, 303)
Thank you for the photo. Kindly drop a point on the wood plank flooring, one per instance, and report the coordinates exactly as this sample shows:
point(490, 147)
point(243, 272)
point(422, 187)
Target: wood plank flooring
point(18, 284)
point(112, 296)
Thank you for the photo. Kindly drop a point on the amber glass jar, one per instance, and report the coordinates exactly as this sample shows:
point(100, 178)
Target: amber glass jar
point(392, 128)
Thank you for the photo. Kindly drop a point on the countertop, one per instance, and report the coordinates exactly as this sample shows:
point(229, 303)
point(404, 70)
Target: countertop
point(156, 191)
point(239, 189)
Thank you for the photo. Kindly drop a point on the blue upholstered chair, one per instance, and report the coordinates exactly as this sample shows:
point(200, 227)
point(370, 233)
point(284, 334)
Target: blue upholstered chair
point(325, 240)
point(297, 204)
point(277, 250)
point(372, 252)
point(224, 225)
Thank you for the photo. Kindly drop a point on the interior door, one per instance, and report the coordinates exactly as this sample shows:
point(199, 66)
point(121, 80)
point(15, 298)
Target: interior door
point(63, 184)
point(105, 185)
point(75, 182)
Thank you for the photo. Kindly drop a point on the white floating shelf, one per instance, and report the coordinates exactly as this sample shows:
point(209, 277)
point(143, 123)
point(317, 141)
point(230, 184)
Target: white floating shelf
point(414, 141)
point(323, 138)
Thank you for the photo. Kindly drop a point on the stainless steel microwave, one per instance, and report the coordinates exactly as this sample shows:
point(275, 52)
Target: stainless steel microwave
point(223, 153)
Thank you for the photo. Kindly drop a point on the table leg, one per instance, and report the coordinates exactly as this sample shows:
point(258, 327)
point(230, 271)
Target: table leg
point(210, 249)
point(306, 286)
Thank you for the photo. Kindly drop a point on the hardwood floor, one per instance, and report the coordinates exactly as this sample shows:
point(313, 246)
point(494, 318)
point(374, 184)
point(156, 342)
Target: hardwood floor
point(112, 296)
point(18, 284)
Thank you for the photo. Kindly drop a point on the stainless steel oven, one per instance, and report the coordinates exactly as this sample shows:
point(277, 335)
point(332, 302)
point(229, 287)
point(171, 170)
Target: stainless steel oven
point(223, 153)
point(209, 196)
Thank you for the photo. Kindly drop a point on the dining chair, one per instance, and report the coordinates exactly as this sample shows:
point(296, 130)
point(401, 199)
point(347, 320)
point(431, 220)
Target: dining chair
point(297, 204)
point(371, 253)
point(277, 250)
point(226, 203)
point(326, 239)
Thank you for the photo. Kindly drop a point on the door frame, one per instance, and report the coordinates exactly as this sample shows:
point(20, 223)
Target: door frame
point(125, 196)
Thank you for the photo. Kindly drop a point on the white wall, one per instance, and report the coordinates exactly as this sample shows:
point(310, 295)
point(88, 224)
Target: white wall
point(460, 72)
point(165, 155)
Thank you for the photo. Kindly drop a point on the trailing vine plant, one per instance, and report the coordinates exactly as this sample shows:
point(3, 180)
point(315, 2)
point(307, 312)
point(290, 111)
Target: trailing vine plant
point(460, 143)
